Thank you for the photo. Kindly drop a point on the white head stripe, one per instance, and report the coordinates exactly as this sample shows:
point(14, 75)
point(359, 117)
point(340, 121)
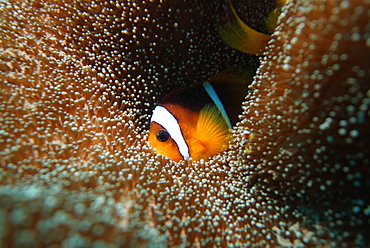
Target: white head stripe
point(212, 93)
point(164, 118)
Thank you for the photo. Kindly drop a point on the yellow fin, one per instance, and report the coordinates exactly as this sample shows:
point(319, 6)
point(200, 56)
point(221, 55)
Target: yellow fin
point(213, 134)
point(271, 21)
point(240, 36)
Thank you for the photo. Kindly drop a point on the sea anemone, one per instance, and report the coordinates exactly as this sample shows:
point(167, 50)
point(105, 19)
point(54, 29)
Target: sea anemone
point(309, 111)
point(79, 80)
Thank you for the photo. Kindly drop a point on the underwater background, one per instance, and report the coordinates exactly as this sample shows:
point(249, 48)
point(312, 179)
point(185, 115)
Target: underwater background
point(79, 80)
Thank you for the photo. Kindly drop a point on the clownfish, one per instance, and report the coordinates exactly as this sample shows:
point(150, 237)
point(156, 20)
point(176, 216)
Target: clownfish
point(196, 122)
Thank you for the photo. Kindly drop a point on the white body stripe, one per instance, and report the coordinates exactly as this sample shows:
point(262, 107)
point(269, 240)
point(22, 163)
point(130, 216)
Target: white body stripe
point(164, 118)
point(212, 93)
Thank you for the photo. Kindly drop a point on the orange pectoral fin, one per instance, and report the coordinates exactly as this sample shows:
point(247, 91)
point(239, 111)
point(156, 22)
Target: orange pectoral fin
point(212, 133)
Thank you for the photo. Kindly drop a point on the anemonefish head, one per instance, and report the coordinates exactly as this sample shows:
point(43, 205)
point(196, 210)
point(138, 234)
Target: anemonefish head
point(179, 133)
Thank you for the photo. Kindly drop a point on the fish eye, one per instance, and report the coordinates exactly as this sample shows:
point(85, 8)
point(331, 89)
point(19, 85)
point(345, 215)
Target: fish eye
point(162, 135)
